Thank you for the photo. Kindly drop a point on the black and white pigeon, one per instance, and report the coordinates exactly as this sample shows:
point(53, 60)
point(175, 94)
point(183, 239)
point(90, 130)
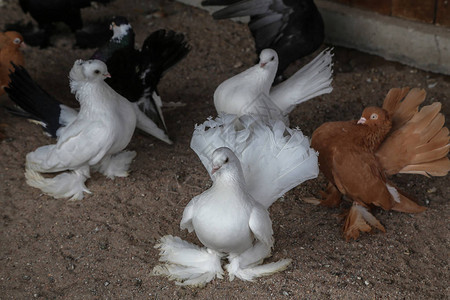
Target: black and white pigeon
point(162, 51)
point(135, 73)
point(293, 28)
point(230, 223)
point(42, 108)
point(94, 138)
point(48, 12)
point(251, 91)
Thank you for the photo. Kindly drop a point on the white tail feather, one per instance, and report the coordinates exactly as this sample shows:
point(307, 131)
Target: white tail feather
point(311, 81)
point(187, 263)
point(274, 158)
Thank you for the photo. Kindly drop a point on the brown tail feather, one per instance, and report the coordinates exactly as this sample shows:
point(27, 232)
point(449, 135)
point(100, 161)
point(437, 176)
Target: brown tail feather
point(438, 167)
point(393, 99)
point(441, 139)
point(407, 205)
point(359, 219)
point(419, 143)
point(402, 111)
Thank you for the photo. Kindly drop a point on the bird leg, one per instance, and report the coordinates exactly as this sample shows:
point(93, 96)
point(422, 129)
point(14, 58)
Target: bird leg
point(67, 184)
point(116, 165)
point(187, 263)
point(246, 265)
point(359, 219)
point(331, 197)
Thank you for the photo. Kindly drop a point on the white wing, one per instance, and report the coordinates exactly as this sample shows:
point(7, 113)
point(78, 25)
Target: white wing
point(79, 145)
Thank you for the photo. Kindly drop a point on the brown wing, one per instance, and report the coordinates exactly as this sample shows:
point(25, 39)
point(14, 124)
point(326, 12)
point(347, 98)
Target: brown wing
point(357, 174)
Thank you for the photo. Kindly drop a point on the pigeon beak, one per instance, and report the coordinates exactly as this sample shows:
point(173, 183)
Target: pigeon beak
point(262, 64)
point(362, 121)
point(23, 45)
point(107, 75)
point(215, 169)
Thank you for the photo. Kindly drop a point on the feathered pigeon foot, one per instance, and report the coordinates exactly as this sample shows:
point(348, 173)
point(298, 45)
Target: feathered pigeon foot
point(331, 197)
point(65, 185)
point(359, 219)
point(254, 271)
point(115, 165)
point(187, 263)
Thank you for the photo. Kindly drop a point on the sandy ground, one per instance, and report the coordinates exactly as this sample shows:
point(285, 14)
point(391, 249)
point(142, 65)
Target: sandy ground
point(102, 247)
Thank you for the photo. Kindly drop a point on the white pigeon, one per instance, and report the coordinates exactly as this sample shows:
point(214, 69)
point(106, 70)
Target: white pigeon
point(94, 137)
point(251, 91)
point(229, 222)
point(274, 157)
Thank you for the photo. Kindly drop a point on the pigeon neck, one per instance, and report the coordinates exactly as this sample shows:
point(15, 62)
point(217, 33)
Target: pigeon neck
point(92, 95)
point(229, 178)
point(376, 135)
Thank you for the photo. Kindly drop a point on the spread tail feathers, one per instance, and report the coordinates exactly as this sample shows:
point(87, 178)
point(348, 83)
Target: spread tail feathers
point(274, 158)
point(187, 263)
point(421, 144)
point(311, 81)
point(240, 9)
point(402, 104)
point(36, 102)
point(160, 51)
point(359, 219)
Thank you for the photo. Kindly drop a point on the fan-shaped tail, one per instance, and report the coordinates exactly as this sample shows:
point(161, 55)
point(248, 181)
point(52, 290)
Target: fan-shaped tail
point(36, 103)
point(311, 81)
point(274, 158)
point(420, 144)
point(187, 263)
point(160, 51)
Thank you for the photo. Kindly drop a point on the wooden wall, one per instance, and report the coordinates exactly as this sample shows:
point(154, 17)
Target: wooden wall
point(428, 11)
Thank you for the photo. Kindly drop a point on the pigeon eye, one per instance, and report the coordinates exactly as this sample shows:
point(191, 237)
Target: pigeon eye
point(97, 72)
point(374, 117)
point(273, 57)
point(17, 41)
point(226, 160)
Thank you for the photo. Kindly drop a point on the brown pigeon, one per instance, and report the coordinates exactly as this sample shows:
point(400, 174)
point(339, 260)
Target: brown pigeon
point(10, 44)
point(358, 156)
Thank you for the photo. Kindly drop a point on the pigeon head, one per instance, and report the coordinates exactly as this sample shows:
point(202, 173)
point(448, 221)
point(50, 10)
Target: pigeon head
point(12, 38)
point(225, 161)
point(88, 70)
point(268, 59)
point(374, 117)
point(120, 27)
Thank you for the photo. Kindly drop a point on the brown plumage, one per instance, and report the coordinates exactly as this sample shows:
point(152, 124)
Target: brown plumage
point(10, 44)
point(357, 156)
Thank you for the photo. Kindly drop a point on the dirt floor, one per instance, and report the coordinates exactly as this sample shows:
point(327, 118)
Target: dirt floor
point(102, 247)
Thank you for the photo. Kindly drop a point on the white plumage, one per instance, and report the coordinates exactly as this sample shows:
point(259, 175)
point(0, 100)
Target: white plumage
point(94, 137)
point(228, 222)
point(253, 158)
point(251, 92)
